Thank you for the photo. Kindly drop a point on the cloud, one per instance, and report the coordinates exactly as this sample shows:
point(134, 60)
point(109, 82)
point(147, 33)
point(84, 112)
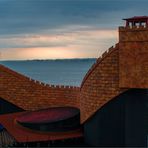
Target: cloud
point(85, 42)
point(80, 27)
point(25, 16)
point(61, 38)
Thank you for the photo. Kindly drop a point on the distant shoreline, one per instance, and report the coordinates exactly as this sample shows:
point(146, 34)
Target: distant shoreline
point(49, 71)
point(48, 60)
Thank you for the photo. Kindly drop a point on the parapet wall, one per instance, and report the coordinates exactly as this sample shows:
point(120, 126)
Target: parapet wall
point(127, 34)
point(31, 95)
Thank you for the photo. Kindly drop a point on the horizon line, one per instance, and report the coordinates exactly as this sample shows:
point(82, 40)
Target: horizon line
point(47, 59)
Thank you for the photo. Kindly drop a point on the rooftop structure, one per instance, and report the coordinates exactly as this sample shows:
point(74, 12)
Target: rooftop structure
point(137, 21)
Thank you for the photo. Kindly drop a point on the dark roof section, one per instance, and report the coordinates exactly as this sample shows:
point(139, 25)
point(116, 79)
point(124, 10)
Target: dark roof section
point(137, 18)
point(55, 119)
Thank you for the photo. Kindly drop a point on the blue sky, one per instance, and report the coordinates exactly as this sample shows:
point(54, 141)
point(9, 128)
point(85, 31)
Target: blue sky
point(51, 29)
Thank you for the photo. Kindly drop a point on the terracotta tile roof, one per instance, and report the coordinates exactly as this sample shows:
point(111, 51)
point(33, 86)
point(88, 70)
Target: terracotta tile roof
point(22, 134)
point(48, 115)
point(137, 18)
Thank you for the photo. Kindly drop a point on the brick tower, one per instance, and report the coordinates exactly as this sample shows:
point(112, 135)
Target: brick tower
point(133, 53)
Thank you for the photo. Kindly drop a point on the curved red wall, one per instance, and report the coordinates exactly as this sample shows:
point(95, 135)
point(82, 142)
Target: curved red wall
point(31, 95)
point(101, 83)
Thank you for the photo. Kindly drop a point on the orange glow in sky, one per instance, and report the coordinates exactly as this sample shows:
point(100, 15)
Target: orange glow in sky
point(78, 44)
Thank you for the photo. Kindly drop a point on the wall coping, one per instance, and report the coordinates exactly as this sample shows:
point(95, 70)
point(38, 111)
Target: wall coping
point(134, 28)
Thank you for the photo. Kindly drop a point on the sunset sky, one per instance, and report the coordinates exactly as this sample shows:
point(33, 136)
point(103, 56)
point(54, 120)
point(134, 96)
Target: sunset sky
point(53, 29)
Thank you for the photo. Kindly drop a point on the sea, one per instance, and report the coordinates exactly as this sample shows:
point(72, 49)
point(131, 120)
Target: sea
point(55, 72)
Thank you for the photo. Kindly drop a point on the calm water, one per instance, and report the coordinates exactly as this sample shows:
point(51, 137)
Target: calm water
point(63, 72)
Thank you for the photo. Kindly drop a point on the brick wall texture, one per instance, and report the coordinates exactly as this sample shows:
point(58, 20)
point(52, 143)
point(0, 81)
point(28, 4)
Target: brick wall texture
point(101, 84)
point(31, 95)
point(133, 57)
point(111, 75)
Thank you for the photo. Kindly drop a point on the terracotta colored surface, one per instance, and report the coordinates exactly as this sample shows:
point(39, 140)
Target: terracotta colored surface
point(101, 84)
point(133, 34)
point(32, 95)
point(48, 115)
point(137, 18)
point(133, 58)
point(22, 134)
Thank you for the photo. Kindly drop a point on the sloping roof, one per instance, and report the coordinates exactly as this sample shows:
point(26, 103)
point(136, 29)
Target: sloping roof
point(48, 115)
point(137, 18)
point(22, 134)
